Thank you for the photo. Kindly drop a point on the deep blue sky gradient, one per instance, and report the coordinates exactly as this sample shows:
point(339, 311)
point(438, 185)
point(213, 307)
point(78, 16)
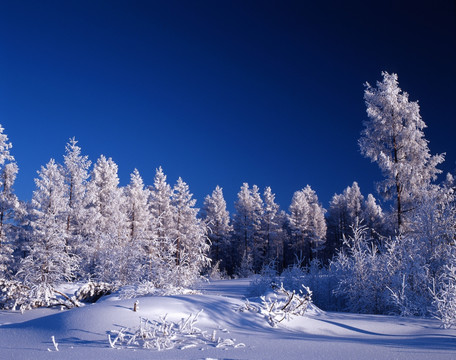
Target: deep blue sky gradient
point(220, 92)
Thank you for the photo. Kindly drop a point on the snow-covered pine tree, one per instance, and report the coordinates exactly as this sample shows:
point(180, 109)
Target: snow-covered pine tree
point(48, 262)
point(247, 225)
point(307, 223)
point(141, 247)
point(106, 223)
point(393, 137)
point(374, 219)
point(76, 170)
point(9, 205)
point(272, 228)
point(259, 241)
point(191, 245)
point(344, 211)
point(162, 225)
point(217, 219)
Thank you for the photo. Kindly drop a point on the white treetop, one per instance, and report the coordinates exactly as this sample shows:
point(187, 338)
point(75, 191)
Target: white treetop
point(76, 171)
point(9, 203)
point(307, 222)
point(107, 220)
point(141, 247)
point(217, 220)
point(49, 261)
point(393, 137)
point(162, 226)
point(191, 245)
point(247, 224)
point(272, 226)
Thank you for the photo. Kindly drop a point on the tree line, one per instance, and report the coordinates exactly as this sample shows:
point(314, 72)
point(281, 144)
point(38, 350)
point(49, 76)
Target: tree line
point(80, 224)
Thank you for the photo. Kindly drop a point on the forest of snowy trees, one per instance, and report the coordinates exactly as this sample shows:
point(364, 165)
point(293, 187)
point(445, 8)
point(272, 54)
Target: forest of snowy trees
point(80, 225)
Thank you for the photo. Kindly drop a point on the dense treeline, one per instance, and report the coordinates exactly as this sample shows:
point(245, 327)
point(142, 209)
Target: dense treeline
point(81, 225)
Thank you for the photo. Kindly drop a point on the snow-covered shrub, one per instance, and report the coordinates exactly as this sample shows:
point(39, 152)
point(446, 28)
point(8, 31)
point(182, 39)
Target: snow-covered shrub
point(163, 334)
point(39, 295)
point(293, 276)
point(322, 281)
point(245, 268)
point(93, 291)
point(445, 296)
point(12, 293)
point(266, 280)
point(408, 278)
point(147, 288)
point(282, 304)
point(362, 274)
point(214, 273)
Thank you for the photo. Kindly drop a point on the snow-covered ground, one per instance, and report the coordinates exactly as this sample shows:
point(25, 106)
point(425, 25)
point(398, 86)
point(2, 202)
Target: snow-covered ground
point(82, 333)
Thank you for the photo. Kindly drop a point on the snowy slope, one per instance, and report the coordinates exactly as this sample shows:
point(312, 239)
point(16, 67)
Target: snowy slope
point(82, 332)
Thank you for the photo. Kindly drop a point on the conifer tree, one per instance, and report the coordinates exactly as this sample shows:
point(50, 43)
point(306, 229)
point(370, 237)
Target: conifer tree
point(247, 225)
point(259, 241)
point(162, 225)
point(191, 246)
point(393, 137)
point(106, 223)
point(76, 171)
point(272, 228)
point(48, 262)
point(217, 219)
point(9, 205)
point(141, 247)
point(307, 223)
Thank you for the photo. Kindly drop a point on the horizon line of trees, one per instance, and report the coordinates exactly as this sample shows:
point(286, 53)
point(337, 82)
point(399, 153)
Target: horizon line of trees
point(80, 224)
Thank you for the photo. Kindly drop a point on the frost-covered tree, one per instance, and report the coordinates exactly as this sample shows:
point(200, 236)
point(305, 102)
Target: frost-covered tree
point(259, 241)
point(191, 246)
point(162, 227)
point(9, 204)
point(140, 247)
point(217, 219)
point(76, 171)
point(393, 137)
point(247, 224)
point(373, 217)
point(307, 222)
point(362, 273)
point(106, 223)
point(347, 209)
point(445, 294)
point(272, 228)
point(48, 262)
point(344, 211)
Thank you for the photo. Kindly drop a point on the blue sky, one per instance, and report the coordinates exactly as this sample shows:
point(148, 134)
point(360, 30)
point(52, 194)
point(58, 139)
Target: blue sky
point(220, 92)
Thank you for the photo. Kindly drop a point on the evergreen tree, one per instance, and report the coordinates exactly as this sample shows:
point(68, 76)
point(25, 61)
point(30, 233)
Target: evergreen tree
point(106, 223)
point(373, 217)
point(9, 205)
point(191, 246)
point(141, 247)
point(259, 241)
point(162, 225)
point(48, 262)
point(247, 225)
point(307, 223)
point(393, 137)
point(272, 228)
point(217, 219)
point(76, 170)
